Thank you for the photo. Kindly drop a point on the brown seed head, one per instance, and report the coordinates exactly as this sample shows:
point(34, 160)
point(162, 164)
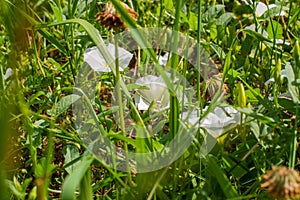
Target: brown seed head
point(110, 18)
point(282, 183)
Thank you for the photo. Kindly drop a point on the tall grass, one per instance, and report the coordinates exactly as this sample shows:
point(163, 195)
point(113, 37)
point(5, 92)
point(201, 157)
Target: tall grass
point(43, 43)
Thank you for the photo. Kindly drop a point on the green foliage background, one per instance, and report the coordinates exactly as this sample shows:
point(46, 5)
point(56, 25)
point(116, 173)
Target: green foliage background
point(43, 42)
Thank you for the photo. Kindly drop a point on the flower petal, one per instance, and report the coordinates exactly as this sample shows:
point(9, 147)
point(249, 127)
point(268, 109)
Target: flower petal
point(95, 59)
point(141, 104)
point(8, 73)
point(157, 92)
point(261, 8)
point(221, 120)
point(163, 60)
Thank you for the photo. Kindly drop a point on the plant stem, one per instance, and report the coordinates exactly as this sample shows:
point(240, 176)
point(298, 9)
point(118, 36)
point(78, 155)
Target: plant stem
point(293, 149)
point(121, 111)
point(198, 53)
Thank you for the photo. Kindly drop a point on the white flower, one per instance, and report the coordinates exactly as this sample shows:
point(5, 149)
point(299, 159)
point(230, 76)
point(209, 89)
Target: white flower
point(262, 8)
point(8, 73)
point(163, 60)
point(94, 58)
point(157, 91)
point(221, 120)
point(265, 34)
point(217, 122)
point(282, 75)
point(191, 117)
point(259, 30)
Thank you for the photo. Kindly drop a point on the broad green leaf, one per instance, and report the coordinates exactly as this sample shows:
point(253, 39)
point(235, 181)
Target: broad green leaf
point(274, 30)
point(213, 32)
point(233, 74)
point(250, 97)
point(238, 171)
point(193, 21)
point(65, 103)
point(224, 19)
point(212, 12)
point(168, 4)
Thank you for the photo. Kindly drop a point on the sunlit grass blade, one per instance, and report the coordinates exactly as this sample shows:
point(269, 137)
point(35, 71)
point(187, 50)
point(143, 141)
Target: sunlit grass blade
point(71, 183)
point(54, 41)
point(85, 188)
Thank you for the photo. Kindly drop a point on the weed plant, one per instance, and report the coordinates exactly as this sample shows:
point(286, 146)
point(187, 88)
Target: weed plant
point(254, 46)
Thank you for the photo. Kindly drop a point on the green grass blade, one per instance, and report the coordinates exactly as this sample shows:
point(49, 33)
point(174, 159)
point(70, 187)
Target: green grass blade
point(54, 41)
point(73, 180)
point(86, 190)
point(225, 184)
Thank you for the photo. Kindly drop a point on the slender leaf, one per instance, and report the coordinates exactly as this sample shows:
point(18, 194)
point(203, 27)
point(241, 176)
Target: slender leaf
point(73, 180)
point(225, 184)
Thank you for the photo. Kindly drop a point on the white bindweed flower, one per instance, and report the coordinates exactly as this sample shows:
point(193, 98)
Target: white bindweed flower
point(163, 60)
point(282, 75)
point(95, 59)
point(262, 8)
point(8, 73)
point(265, 34)
point(191, 117)
point(259, 30)
point(217, 122)
point(157, 92)
point(221, 120)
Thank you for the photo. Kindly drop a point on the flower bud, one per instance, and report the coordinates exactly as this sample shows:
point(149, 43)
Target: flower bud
point(296, 54)
point(277, 71)
point(242, 98)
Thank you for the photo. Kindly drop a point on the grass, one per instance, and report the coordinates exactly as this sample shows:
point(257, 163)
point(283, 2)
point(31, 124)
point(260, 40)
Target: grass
point(49, 149)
